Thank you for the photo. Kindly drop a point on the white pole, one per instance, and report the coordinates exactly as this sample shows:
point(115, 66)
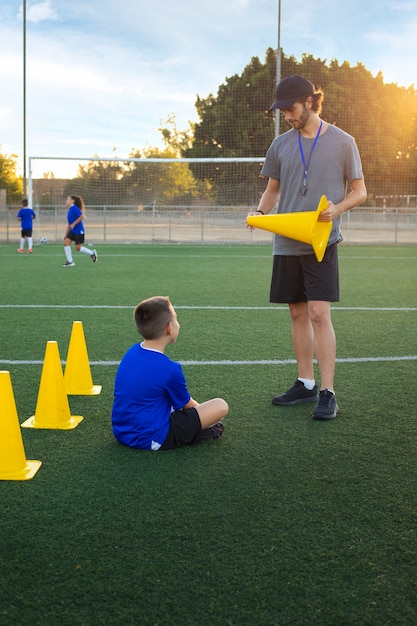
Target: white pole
point(24, 100)
point(278, 68)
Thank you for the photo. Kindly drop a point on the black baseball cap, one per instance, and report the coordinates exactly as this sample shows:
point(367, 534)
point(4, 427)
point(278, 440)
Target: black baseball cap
point(289, 90)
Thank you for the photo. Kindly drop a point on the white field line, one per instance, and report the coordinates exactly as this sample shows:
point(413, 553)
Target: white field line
point(197, 307)
point(171, 254)
point(221, 362)
point(371, 359)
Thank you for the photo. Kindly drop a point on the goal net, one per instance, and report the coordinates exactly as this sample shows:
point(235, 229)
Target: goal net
point(150, 199)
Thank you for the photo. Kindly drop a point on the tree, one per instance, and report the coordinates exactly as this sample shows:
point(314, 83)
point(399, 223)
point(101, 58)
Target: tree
point(165, 183)
point(144, 182)
point(9, 180)
point(98, 182)
point(176, 141)
point(382, 117)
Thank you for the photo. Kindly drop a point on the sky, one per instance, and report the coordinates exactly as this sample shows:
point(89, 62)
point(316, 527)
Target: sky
point(103, 75)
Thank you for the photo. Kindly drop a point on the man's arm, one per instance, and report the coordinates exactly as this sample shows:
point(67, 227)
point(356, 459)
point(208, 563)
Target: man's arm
point(270, 196)
point(356, 196)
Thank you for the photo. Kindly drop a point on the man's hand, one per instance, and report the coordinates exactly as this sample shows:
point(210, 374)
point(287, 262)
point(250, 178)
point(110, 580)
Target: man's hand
point(329, 214)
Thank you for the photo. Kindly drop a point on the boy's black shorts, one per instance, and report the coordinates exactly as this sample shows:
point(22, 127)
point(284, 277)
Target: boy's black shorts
point(75, 238)
point(303, 278)
point(26, 232)
point(184, 430)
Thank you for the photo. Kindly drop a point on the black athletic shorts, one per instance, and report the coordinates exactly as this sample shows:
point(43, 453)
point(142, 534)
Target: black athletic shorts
point(303, 278)
point(26, 232)
point(75, 238)
point(184, 430)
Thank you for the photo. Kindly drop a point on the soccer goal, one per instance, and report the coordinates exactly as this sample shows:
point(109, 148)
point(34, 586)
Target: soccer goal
point(152, 199)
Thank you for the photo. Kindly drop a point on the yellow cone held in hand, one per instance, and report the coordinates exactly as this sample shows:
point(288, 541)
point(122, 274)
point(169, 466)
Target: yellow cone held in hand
point(13, 462)
point(303, 226)
point(77, 374)
point(52, 407)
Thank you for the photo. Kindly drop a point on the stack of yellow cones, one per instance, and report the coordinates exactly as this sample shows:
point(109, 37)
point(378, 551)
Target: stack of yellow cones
point(13, 463)
point(52, 408)
point(77, 375)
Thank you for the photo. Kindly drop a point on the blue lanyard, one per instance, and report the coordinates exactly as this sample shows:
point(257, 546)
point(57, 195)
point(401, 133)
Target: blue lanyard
point(309, 158)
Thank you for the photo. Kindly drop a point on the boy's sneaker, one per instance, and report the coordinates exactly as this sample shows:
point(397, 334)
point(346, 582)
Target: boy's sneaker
point(30, 250)
point(327, 407)
point(296, 395)
point(20, 250)
point(68, 264)
point(212, 432)
point(94, 256)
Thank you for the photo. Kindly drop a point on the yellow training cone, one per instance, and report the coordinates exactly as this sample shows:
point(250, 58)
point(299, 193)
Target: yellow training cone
point(13, 463)
point(303, 226)
point(77, 374)
point(52, 408)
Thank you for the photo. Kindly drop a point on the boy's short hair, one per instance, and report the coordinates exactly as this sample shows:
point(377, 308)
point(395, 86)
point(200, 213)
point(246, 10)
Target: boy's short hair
point(152, 316)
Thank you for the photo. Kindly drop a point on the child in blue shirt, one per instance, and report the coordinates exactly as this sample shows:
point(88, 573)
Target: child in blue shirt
point(26, 215)
point(75, 230)
point(153, 408)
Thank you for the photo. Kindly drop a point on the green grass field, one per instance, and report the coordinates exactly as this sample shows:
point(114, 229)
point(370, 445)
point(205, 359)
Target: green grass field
point(284, 520)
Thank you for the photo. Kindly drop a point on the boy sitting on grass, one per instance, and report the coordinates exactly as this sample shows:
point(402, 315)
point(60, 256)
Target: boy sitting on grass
point(152, 408)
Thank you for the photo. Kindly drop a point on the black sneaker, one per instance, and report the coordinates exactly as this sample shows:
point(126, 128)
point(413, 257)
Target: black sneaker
point(94, 256)
point(212, 432)
point(327, 407)
point(69, 264)
point(296, 395)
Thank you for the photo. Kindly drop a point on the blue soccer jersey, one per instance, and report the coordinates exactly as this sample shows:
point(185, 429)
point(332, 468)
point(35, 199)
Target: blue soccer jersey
point(26, 215)
point(148, 387)
point(73, 214)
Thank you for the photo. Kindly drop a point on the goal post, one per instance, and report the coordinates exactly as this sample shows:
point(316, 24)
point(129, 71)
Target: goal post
point(152, 199)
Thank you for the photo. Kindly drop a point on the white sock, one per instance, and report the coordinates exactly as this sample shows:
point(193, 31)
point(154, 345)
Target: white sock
point(86, 250)
point(22, 244)
point(308, 383)
point(68, 253)
point(30, 243)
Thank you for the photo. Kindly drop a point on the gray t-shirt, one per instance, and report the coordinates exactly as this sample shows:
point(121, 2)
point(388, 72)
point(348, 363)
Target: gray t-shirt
point(334, 162)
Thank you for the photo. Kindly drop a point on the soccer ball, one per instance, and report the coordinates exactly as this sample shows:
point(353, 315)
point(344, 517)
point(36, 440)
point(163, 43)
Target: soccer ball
point(43, 240)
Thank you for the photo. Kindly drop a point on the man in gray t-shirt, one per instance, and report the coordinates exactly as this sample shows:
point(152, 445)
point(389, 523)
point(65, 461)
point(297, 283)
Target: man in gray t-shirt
point(312, 159)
